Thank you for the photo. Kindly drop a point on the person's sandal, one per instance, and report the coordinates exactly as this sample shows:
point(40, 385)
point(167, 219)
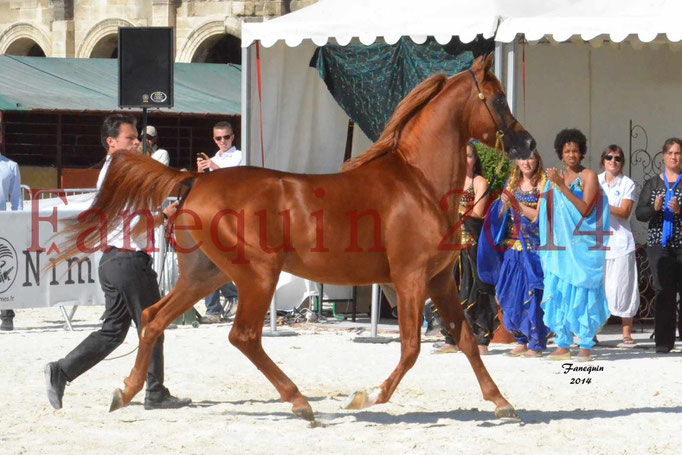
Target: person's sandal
point(627, 343)
point(518, 351)
point(444, 348)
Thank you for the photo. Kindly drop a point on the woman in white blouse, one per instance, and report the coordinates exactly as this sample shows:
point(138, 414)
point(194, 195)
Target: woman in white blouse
point(620, 272)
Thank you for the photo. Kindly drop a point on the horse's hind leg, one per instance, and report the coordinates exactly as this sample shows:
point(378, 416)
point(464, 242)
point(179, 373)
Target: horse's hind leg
point(411, 296)
point(443, 291)
point(247, 331)
point(154, 321)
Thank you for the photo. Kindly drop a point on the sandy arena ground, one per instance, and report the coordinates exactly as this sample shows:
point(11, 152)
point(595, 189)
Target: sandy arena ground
point(633, 406)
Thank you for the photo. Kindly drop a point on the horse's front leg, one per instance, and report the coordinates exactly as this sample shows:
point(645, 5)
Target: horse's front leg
point(411, 295)
point(154, 321)
point(255, 294)
point(443, 291)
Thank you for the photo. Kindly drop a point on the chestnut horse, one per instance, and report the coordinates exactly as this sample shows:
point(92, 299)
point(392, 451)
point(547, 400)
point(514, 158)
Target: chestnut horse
point(390, 216)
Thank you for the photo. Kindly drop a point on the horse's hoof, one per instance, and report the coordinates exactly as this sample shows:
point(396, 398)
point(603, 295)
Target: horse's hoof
point(305, 413)
point(116, 400)
point(506, 412)
point(361, 399)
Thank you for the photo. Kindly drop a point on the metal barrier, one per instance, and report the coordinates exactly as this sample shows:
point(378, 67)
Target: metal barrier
point(27, 193)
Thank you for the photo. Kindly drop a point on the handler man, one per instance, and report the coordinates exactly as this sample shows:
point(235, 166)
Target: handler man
point(129, 285)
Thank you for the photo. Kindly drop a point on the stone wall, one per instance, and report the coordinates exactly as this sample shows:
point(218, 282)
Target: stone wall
point(85, 28)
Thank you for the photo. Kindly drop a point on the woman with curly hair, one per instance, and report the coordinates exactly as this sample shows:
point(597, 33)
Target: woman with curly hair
point(574, 221)
point(508, 260)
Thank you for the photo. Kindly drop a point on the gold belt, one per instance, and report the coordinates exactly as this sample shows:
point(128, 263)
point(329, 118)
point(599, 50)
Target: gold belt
point(515, 244)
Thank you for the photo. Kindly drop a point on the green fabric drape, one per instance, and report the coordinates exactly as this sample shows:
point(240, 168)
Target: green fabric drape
point(368, 82)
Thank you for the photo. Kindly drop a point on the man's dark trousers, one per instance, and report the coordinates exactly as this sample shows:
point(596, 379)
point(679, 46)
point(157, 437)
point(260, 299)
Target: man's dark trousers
point(129, 285)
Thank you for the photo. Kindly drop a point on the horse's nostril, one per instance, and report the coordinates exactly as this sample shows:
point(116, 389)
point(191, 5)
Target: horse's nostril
point(531, 143)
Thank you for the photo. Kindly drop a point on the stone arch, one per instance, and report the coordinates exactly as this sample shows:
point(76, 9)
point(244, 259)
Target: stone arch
point(98, 32)
point(21, 37)
point(210, 30)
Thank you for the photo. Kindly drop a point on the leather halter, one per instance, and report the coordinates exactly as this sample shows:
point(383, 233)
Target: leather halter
point(500, 131)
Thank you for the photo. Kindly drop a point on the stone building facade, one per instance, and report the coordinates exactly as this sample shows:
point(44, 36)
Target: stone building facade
point(205, 30)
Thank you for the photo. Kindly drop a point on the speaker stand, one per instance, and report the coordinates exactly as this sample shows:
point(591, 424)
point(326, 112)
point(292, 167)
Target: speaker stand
point(144, 131)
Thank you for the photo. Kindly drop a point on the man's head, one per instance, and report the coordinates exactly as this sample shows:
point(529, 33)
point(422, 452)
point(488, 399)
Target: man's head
point(119, 134)
point(223, 136)
point(152, 136)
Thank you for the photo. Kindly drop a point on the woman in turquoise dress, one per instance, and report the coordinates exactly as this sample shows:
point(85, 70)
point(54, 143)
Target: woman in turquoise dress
point(507, 257)
point(574, 220)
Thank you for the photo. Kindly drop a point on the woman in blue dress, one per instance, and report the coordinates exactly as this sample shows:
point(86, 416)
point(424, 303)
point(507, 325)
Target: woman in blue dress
point(507, 257)
point(574, 220)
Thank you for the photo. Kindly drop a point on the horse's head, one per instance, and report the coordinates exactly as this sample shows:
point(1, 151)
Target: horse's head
point(489, 114)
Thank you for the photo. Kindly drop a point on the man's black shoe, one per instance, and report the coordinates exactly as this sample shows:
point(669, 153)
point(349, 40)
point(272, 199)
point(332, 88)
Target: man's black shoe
point(169, 402)
point(55, 381)
point(7, 324)
point(663, 349)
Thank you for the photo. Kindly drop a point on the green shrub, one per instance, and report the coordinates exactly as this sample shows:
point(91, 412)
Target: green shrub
point(495, 163)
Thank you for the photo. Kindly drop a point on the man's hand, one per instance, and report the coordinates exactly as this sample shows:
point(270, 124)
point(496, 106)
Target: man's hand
point(203, 164)
point(171, 209)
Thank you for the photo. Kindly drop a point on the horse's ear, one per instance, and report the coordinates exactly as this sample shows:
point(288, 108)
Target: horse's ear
point(488, 62)
point(477, 65)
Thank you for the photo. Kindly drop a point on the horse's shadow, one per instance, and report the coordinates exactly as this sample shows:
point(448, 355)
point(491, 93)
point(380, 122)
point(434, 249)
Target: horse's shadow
point(435, 418)
point(245, 402)
point(488, 419)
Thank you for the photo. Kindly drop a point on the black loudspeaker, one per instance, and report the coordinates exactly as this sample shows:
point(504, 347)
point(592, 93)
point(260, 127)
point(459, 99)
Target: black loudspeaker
point(145, 66)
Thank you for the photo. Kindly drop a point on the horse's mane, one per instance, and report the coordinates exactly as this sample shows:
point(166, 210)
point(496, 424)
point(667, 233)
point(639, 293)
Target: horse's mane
point(407, 108)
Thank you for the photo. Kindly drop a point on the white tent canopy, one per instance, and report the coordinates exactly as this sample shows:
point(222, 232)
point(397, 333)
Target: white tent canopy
point(367, 20)
point(617, 19)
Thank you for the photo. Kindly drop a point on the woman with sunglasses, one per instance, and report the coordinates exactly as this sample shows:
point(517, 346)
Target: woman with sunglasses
point(659, 204)
point(620, 270)
point(573, 235)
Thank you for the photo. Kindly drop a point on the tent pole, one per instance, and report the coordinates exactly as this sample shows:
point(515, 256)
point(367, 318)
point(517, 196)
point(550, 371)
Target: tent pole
point(59, 151)
point(144, 131)
point(246, 105)
point(510, 62)
point(499, 62)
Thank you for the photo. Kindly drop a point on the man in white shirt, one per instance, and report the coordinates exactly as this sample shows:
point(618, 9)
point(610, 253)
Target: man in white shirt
point(227, 156)
point(129, 285)
point(159, 154)
point(10, 189)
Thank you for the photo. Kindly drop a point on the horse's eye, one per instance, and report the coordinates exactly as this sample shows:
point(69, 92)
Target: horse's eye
point(500, 101)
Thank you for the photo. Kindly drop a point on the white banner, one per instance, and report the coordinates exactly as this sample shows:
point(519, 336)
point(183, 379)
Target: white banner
point(27, 278)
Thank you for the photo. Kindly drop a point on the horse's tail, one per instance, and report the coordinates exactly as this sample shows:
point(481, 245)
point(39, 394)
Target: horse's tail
point(133, 184)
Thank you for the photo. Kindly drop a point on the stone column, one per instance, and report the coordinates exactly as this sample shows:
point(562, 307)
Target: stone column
point(163, 13)
point(63, 39)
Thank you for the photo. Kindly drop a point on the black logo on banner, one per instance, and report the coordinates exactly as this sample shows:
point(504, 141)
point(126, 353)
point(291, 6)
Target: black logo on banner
point(8, 265)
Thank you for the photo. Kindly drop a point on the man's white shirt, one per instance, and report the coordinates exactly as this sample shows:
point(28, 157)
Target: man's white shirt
point(115, 237)
point(10, 184)
point(161, 155)
point(230, 158)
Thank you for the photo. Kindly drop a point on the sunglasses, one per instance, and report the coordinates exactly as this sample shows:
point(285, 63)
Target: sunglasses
point(618, 158)
point(222, 138)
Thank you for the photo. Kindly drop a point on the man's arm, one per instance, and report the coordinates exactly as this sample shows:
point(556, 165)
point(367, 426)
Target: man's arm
point(15, 189)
